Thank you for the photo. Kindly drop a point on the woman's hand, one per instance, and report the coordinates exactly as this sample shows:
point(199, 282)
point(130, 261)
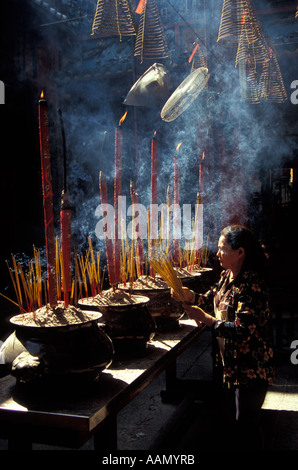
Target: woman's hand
point(198, 315)
point(188, 294)
point(194, 312)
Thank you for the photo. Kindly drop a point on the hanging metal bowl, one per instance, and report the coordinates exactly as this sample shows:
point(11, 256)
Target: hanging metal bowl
point(185, 94)
point(151, 88)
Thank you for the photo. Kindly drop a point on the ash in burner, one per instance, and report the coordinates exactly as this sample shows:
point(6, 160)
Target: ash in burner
point(117, 297)
point(60, 315)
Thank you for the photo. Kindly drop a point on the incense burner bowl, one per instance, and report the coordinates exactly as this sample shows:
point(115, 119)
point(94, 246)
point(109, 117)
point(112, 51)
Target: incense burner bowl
point(200, 280)
point(57, 353)
point(165, 311)
point(130, 326)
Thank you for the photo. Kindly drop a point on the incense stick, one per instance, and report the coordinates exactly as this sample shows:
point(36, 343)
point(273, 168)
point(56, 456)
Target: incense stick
point(163, 266)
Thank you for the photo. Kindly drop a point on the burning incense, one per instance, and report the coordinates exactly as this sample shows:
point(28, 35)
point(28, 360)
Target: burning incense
point(193, 53)
point(108, 239)
point(163, 266)
point(176, 203)
point(169, 216)
point(65, 224)
point(153, 190)
point(201, 177)
point(117, 193)
point(154, 169)
point(139, 243)
point(47, 197)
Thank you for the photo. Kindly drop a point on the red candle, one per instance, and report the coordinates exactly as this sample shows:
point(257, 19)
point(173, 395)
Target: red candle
point(176, 206)
point(47, 198)
point(107, 229)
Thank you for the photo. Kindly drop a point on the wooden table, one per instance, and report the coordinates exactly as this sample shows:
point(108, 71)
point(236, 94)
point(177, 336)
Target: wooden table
point(71, 419)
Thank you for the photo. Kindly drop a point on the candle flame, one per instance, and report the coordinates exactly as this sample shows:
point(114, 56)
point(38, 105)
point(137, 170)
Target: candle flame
point(42, 95)
point(203, 156)
point(178, 146)
point(122, 118)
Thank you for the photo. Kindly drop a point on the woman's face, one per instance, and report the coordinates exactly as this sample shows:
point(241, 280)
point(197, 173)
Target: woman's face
point(228, 258)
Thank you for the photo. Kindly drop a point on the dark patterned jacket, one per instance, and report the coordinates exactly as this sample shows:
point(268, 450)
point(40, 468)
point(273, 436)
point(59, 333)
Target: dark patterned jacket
point(248, 352)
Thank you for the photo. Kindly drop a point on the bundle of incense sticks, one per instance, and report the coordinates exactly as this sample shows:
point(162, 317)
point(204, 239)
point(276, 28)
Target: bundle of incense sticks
point(28, 286)
point(88, 272)
point(163, 266)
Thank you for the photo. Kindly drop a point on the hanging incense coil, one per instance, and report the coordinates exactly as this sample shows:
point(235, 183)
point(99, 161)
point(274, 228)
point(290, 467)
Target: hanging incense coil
point(236, 16)
point(114, 17)
point(271, 82)
point(296, 15)
point(252, 43)
point(262, 73)
point(185, 94)
point(151, 42)
point(249, 87)
point(230, 23)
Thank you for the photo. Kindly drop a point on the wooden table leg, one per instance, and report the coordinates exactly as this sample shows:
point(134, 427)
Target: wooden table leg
point(105, 437)
point(19, 440)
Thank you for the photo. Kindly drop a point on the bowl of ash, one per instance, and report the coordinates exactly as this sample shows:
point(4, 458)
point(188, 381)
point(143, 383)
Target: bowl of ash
point(57, 343)
point(125, 316)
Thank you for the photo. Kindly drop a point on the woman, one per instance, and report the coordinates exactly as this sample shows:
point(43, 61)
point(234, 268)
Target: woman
point(241, 322)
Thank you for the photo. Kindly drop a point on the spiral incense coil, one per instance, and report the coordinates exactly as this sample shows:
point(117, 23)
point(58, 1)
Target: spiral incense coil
point(231, 22)
point(271, 82)
point(185, 94)
point(263, 77)
point(237, 16)
point(151, 41)
point(114, 17)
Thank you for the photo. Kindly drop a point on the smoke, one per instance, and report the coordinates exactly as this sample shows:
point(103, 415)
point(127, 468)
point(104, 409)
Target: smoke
point(241, 141)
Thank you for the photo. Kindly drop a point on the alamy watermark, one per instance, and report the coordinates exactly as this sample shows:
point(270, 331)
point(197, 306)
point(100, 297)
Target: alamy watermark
point(159, 221)
point(294, 355)
point(294, 94)
point(2, 92)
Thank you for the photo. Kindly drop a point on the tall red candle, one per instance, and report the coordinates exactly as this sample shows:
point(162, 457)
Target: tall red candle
point(47, 197)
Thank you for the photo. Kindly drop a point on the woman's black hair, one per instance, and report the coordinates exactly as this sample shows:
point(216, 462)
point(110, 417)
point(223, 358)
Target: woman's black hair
point(240, 236)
